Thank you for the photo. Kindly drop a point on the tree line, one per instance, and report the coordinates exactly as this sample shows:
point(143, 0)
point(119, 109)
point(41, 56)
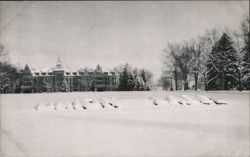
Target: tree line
point(11, 79)
point(133, 79)
point(216, 60)
point(9, 76)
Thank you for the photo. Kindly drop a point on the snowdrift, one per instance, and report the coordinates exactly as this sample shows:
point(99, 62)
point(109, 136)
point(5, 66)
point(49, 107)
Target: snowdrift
point(159, 123)
point(113, 103)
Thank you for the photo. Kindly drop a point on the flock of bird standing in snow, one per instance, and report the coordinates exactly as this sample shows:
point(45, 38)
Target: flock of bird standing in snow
point(112, 103)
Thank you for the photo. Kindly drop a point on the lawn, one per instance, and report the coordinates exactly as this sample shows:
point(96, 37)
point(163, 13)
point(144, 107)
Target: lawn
point(143, 124)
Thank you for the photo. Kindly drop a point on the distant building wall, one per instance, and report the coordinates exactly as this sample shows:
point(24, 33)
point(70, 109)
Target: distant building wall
point(62, 79)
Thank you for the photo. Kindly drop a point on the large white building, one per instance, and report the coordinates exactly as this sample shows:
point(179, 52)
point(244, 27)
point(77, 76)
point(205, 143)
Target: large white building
point(59, 78)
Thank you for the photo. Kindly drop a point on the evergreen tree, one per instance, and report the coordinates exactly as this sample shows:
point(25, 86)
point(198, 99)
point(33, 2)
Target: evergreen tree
point(47, 85)
point(138, 84)
point(222, 65)
point(141, 83)
point(146, 79)
point(147, 86)
point(143, 76)
point(136, 80)
point(65, 86)
point(123, 79)
point(131, 81)
point(37, 85)
point(246, 64)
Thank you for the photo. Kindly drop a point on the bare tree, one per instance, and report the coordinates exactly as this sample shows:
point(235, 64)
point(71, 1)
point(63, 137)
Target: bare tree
point(85, 80)
point(184, 63)
point(204, 47)
point(181, 57)
point(239, 47)
point(4, 55)
point(245, 35)
point(170, 63)
point(194, 47)
point(8, 73)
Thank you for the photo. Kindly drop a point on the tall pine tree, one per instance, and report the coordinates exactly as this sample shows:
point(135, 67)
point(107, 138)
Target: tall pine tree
point(222, 65)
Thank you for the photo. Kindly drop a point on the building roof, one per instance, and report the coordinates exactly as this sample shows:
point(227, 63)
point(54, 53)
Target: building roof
point(68, 71)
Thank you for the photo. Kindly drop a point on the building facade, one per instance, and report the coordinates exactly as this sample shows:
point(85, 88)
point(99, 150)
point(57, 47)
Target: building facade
point(60, 79)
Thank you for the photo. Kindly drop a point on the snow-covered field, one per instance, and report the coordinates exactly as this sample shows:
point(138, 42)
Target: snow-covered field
point(118, 124)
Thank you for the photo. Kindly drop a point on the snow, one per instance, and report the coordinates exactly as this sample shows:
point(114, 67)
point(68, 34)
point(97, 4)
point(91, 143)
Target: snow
point(137, 127)
point(205, 100)
point(190, 100)
point(173, 100)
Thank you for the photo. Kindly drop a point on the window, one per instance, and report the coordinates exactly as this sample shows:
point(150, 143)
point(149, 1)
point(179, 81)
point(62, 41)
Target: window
point(67, 73)
point(74, 73)
point(43, 74)
point(49, 73)
point(37, 74)
point(98, 78)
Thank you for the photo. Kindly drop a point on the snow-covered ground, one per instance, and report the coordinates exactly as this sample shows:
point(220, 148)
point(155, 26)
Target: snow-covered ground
point(142, 124)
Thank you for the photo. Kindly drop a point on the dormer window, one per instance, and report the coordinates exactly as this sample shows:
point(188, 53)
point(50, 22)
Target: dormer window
point(67, 73)
point(43, 74)
point(74, 73)
point(49, 73)
point(98, 69)
point(37, 74)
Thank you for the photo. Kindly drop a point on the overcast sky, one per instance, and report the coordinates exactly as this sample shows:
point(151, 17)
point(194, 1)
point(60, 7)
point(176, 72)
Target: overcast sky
point(107, 33)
